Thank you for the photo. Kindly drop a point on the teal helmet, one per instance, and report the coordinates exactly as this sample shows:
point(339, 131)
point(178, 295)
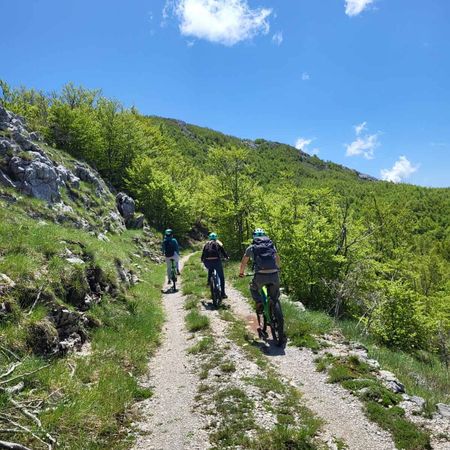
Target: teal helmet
point(168, 232)
point(259, 232)
point(212, 236)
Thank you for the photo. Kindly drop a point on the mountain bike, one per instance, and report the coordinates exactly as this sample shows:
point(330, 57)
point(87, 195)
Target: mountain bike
point(216, 291)
point(271, 316)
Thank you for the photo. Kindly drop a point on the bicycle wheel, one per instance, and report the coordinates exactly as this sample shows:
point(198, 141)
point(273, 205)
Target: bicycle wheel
point(174, 277)
point(277, 323)
point(215, 290)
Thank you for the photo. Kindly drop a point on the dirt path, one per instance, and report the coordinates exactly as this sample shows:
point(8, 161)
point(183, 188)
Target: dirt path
point(342, 412)
point(168, 419)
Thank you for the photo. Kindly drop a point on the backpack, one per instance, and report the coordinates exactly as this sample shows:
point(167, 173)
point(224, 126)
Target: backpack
point(264, 254)
point(169, 247)
point(211, 250)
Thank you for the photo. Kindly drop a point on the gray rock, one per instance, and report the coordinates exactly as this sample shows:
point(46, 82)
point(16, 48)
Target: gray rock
point(391, 382)
point(114, 222)
point(443, 410)
point(136, 223)
point(125, 205)
point(37, 177)
point(85, 173)
point(68, 176)
point(419, 401)
point(6, 181)
point(35, 136)
point(74, 260)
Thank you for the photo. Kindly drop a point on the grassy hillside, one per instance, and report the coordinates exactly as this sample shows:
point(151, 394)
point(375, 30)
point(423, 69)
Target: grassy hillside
point(66, 284)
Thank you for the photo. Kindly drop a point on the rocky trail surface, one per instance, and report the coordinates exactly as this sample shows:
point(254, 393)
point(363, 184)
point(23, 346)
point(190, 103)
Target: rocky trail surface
point(226, 396)
point(168, 418)
point(343, 415)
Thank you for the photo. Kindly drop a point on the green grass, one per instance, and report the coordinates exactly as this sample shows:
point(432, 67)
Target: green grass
point(85, 399)
point(196, 321)
point(381, 403)
point(406, 435)
point(202, 346)
point(194, 278)
point(425, 377)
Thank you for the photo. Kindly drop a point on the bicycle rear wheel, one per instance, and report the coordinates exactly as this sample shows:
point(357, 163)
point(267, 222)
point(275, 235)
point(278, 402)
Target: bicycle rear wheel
point(215, 290)
point(277, 323)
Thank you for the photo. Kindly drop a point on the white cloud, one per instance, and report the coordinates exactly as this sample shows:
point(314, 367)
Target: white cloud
point(400, 170)
point(225, 22)
point(360, 128)
point(302, 143)
point(355, 7)
point(305, 76)
point(364, 146)
point(277, 38)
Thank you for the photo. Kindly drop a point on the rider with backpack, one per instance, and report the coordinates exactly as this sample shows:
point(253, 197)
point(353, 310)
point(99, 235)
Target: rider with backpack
point(266, 263)
point(171, 251)
point(212, 253)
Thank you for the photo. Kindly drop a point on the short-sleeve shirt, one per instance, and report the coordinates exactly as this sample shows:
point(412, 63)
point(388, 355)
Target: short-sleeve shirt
point(250, 254)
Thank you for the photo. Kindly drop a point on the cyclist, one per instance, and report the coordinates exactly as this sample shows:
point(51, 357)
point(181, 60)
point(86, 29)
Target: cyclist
point(266, 262)
point(212, 253)
point(171, 251)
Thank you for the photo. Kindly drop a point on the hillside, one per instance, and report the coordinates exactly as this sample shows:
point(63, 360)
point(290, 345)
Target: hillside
point(78, 297)
point(269, 159)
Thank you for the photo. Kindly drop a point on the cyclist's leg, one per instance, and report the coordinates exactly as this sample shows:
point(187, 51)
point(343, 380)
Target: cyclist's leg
point(177, 262)
point(220, 273)
point(169, 268)
point(210, 268)
point(255, 287)
point(273, 287)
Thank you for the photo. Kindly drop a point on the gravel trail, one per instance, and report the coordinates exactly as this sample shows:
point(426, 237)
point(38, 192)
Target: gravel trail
point(168, 419)
point(342, 412)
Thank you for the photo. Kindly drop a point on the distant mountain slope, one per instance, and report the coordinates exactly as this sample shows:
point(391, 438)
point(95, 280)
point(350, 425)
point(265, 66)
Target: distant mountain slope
point(270, 159)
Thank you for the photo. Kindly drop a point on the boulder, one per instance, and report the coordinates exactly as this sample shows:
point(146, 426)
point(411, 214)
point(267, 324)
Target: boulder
point(85, 173)
point(391, 382)
point(36, 177)
point(6, 283)
point(125, 205)
point(443, 410)
point(68, 176)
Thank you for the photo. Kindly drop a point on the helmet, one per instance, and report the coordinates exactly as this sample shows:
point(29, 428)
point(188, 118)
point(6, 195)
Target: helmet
point(259, 232)
point(168, 232)
point(212, 236)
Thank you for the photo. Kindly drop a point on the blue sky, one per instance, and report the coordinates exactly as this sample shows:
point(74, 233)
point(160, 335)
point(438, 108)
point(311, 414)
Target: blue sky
point(364, 83)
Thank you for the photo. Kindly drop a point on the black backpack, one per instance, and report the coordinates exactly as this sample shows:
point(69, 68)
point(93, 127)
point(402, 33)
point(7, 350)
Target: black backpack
point(211, 250)
point(169, 247)
point(264, 254)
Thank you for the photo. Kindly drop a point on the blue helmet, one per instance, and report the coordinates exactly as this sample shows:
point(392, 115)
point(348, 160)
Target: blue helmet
point(168, 232)
point(212, 236)
point(259, 232)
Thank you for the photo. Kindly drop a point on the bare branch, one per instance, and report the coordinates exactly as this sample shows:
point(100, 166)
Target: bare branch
point(12, 446)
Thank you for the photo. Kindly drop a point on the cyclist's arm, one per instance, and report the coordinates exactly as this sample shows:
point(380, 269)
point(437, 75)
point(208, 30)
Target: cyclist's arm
point(244, 263)
point(278, 260)
point(223, 252)
point(177, 247)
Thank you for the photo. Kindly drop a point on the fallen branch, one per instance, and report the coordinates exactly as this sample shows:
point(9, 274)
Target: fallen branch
point(36, 300)
point(23, 375)
point(26, 413)
point(27, 430)
point(12, 446)
point(7, 350)
point(11, 369)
